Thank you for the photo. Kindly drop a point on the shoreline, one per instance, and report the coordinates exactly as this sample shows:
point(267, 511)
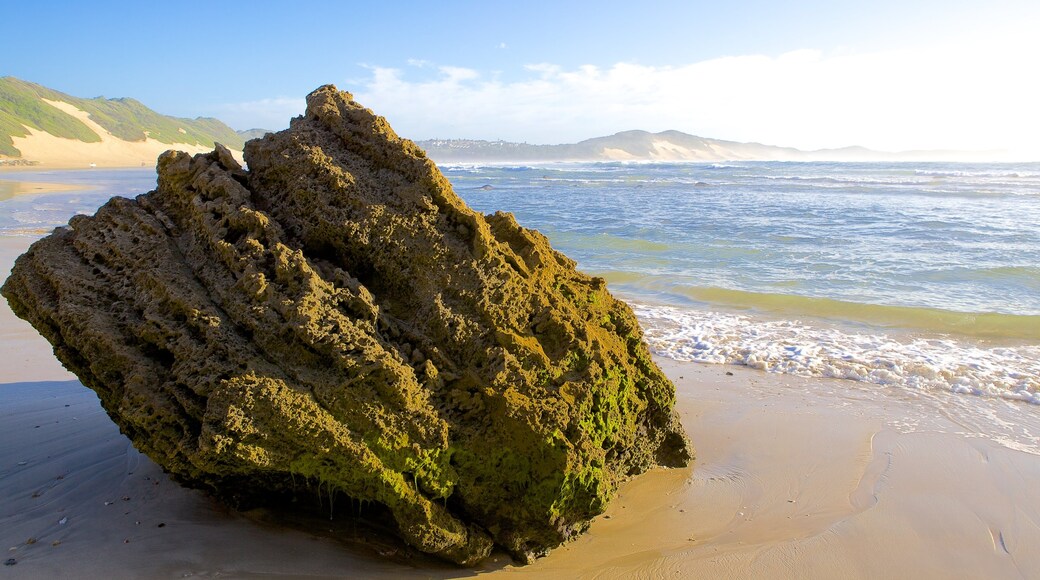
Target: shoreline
point(11, 188)
point(66, 167)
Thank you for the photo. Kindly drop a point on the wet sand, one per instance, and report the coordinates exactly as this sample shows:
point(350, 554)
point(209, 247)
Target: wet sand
point(27, 356)
point(805, 478)
point(11, 188)
point(789, 482)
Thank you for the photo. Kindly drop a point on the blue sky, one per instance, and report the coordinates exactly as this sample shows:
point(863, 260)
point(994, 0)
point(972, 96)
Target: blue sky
point(886, 74)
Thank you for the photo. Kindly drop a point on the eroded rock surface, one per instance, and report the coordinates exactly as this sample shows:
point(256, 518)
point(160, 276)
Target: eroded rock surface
point(336, 318)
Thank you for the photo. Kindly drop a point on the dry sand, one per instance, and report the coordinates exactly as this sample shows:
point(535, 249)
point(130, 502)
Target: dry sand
point(57, 152)
point(794, 478)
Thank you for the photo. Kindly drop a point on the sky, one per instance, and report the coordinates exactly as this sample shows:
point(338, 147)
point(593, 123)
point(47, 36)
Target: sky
point(886, 74)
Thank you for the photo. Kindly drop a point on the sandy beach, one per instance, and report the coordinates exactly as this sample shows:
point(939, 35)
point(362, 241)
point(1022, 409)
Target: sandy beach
point(788, 483)
point(803, 478)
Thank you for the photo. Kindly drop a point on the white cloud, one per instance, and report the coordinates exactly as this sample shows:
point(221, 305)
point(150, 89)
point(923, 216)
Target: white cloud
point(454, 74)
point(271, 114)
point(976, 96)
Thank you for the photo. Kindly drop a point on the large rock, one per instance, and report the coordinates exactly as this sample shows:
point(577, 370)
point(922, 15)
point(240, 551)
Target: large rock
point(335, 319)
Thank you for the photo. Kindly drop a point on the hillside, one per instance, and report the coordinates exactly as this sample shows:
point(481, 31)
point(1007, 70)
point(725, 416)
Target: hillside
point(53, 128)
point(249, 134)
point(663, 146)
point(627, 145)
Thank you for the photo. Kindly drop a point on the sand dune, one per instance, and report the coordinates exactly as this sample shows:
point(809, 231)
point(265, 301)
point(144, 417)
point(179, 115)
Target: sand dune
point(57, 152)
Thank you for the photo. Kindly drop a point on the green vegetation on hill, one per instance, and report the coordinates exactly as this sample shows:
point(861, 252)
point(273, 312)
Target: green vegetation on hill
point(22, 105)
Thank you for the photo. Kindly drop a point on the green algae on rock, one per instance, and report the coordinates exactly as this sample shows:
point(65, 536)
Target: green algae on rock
point(336, 318)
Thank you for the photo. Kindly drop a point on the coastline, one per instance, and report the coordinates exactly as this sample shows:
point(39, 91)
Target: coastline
point(62, 167)
point(13, 188)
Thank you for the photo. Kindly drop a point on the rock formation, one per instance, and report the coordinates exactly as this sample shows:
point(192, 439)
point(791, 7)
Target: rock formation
point(336, 319)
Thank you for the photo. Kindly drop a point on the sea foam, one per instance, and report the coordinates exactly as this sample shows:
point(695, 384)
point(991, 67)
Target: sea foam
point(790, 346)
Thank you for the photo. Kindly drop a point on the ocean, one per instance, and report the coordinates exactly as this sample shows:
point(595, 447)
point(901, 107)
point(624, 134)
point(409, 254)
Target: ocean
point(917, 280)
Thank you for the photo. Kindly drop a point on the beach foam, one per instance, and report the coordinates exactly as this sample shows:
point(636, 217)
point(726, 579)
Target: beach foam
point(789, 346)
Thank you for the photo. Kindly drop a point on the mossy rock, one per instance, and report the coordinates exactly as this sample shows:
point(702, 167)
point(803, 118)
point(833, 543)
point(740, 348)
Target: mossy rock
point(336, 318)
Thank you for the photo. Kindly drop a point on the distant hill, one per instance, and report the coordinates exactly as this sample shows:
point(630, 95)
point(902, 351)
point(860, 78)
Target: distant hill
point(253, 133)
point(664, 146)
point(39, 125)
point(51, 127)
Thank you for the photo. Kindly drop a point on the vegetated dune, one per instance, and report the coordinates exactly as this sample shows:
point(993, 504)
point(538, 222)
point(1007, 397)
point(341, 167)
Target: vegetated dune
point(41, 126)
point(110, 151)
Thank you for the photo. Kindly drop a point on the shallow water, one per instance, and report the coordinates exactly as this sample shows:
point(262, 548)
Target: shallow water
point(34, 215)
point(923, 277)
point(954, 237)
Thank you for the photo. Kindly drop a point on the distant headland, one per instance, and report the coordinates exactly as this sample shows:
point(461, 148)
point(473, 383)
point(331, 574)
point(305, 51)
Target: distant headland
point(669, 146)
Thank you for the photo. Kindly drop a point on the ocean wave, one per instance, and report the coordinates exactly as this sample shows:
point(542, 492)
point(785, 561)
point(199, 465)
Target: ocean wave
point(793, 347)
point(958, 173)
point(842, 181)
point(921, 183)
